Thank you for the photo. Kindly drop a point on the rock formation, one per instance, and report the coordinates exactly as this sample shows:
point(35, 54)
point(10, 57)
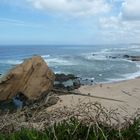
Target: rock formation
point(66, 82)
point(132, 58)
point(32, 78)
point(63, 77)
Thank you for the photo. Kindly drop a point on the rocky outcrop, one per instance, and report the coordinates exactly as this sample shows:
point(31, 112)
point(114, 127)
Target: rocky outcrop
point(132, 58)
point(128, 57)
point(63, 77)
point(66, 82)
point(32, 79)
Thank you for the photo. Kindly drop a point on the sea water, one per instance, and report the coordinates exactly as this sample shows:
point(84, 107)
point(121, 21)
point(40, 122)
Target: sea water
point(100, 63)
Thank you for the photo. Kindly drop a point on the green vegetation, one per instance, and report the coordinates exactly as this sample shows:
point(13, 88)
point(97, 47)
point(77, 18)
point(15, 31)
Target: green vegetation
point(77, 130)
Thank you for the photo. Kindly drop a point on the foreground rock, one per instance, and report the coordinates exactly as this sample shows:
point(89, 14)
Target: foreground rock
point(29, 80)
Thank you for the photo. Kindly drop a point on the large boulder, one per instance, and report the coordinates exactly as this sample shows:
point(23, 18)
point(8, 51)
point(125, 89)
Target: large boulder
point(32, 79)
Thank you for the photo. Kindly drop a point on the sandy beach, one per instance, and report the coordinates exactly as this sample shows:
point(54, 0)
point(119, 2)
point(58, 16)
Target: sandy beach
point(124, 96)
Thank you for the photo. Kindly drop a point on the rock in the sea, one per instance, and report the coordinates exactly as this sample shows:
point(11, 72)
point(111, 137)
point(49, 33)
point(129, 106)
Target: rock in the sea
point(126, 56)
point(32, 78)
point(132, 58)
point(135, 58)
point(112, 57)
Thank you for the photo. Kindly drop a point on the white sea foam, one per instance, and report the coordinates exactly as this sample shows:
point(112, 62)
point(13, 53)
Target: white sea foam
point(102, 54)
point(45, 56)
point(134, 47)
point(126, 48)
point(58, 61)
point(111, 80)
point(11, 62)
point(58, 72)
point(97, 57)
point(137, 50)
point(126, 76)
point(94, 56)
point(134, 75)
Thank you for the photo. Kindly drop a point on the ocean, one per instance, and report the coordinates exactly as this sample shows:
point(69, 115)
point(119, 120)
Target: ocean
point(100, 63)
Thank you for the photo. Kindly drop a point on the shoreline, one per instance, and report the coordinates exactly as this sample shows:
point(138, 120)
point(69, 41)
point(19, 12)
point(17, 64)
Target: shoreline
point(123, 96)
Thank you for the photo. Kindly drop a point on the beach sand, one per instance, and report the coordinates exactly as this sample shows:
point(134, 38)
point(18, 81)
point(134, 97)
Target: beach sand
point(124, 96)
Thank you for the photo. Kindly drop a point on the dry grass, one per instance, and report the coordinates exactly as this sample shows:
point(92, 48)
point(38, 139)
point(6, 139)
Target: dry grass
point(87, 113)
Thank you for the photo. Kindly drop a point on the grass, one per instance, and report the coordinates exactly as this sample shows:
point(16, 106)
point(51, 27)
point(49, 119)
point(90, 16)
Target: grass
point(77, 130)
point(86, 121)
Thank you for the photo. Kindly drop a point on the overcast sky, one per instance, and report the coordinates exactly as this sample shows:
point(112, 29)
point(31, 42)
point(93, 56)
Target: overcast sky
point(69, 21)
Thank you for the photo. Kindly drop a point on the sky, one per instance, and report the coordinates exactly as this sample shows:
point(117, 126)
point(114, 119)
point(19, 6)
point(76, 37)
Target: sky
point(69, 21)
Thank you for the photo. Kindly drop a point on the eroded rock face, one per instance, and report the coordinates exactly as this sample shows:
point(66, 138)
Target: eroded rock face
point(32, 78)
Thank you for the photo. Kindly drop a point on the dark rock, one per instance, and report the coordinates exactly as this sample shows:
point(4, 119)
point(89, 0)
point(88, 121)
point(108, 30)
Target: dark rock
point(132, 58)
point(63, 77)
point(59, 86)
point(112, 57)
point(135, 58)
point(67, 82)
point(126, 56)
point(76, 84)
point(69, 88)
